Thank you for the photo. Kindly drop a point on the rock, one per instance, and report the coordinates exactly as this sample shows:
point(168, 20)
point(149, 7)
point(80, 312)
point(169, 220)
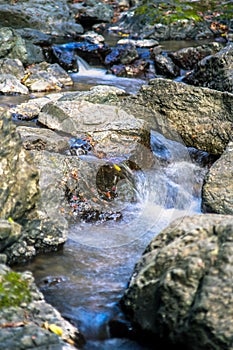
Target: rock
point(202, 117)
point(46, 77)
point(124, 54)
point(9, 233)
point(10, 85)
point(42, 139)
point(180, 290)
point(144, 43)
point(13, 67)
point(97, 94)
point(66, 59)
point(12, 45)
point(27, 320)
point(54, 18)
point(42, 229)
point(29, 110)
point(188, 57)
point(165, 66)
point(114, 132)
point(18, 175)
point(91, 12)
point(217, 194)
point(214, 71)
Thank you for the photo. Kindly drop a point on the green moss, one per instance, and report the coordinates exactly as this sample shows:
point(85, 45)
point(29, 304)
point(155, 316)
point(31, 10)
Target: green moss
point(13, 290)
point(171, 11)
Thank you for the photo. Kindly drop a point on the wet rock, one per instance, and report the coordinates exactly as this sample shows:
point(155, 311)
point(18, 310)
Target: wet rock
point(123, 54)
point(80, 189)
point(202, 117)
point(42, 139)
point(217, 194)
point(92, 53)
point(27, 320)
point(214, 71)
point(13, 67)
point(165, 66)
point(46, 77)
point(10, 85)
point(187, 58)
point(180, 290)
point(66, 59)
point(54, 18)
point(114, 132)
point(12, 45)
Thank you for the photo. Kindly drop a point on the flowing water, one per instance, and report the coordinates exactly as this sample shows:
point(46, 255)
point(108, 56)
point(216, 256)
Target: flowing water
point(86, 279)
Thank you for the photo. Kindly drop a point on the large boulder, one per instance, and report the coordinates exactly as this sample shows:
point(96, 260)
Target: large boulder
point(202, 117)
point(214, 71)
point(217, 193)
point(180, 291)
point(27, 224)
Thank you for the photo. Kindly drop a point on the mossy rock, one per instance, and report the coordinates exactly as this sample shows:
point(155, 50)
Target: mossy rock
point(14, 290)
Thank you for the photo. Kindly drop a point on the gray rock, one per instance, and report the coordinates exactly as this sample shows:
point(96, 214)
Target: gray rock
point(165, 66)
point(93, 11)
point(29, 110)
point(42, 139)
point(202, 117)
point(18, 175)
point(214, 71)
point(12, 66)
point(12, 45)
point(181, 290)
point(114, 132)
point(9, 233)
point(188, 57)
point(54, 18)
point(10, 85)
point(217, 194)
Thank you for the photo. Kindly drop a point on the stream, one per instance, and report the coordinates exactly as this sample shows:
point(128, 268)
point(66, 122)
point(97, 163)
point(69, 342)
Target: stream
point(87, 277)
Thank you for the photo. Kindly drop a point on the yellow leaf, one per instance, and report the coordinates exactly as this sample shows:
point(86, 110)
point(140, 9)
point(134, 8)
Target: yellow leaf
point(10, 219)
point(55, 329)
point(117, 167)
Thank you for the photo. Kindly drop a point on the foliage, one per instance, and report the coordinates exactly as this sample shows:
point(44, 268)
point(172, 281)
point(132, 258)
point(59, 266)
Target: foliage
point(13, 290)
point(171, 11)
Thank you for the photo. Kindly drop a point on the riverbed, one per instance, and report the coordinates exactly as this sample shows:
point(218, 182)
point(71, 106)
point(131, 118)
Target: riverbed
point(87, 277)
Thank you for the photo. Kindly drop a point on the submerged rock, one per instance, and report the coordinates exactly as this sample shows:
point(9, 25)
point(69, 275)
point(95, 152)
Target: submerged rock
point(180, 290)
